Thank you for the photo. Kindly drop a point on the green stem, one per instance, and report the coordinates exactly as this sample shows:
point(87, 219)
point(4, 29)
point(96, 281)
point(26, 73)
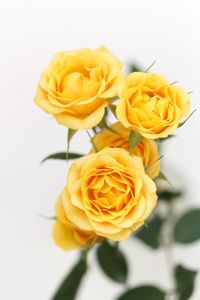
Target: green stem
point(92, 141)
point(168, 247)
point(86, 251)
point(94, 130)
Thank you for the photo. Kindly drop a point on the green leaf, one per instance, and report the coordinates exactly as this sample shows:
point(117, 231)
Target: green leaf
point(71, 133)
point(168, 195)
point(103, 124)
point(187, 229)
point(150, 234)
point(184, 282)
point(182, 123)
point(134, 68)
point(62, 156)
point(113, 109)
point(112, 262)
point(69, 287)
point(161, 176)
point(134, 139)
point(146, 292)
point(153, 162)
point(160, 140)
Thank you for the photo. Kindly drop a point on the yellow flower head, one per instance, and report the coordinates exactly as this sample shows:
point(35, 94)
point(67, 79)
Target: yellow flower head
point(146, 149)
point(75, 86)
point(107, 194)
point(150, 105)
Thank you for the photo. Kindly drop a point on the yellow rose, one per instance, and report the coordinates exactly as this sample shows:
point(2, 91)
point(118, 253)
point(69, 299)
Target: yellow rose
point(150, 105)
point(75, 86)
point(66, 234)
point(107, 194)
point(146, 149)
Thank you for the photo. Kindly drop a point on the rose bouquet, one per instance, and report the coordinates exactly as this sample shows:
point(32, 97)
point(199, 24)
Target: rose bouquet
point(112, 190)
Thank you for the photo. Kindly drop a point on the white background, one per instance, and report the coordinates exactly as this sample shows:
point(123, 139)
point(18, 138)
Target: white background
point(30, 33)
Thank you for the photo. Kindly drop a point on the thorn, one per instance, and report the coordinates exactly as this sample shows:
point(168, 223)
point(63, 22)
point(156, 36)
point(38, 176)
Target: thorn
point(46, 217)
point(149, 68)
point(174, 82)
point(190, 92)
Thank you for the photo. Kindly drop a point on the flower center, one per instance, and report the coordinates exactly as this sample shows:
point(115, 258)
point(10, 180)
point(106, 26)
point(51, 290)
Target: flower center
point(110, 193)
